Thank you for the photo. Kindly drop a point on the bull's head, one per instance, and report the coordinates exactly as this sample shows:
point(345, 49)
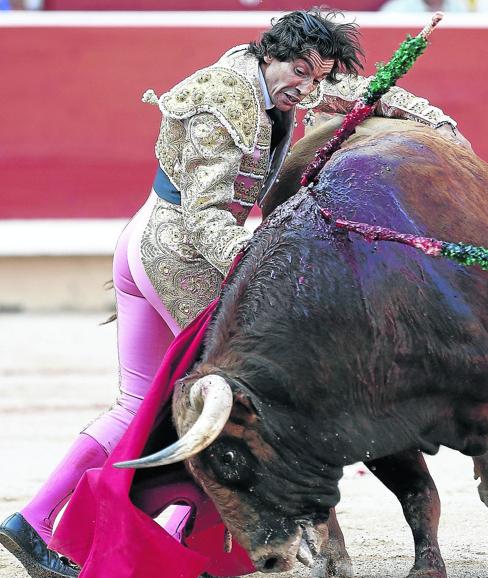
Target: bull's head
point(227, 456)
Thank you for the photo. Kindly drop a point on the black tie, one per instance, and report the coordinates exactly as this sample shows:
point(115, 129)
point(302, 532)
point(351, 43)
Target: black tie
point(277, 132)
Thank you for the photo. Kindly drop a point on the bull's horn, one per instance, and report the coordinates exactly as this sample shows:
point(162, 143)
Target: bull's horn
point(212, 396)
point(304, 555)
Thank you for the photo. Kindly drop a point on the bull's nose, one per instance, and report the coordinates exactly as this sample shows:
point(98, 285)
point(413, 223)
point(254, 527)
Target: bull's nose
point(274, 564)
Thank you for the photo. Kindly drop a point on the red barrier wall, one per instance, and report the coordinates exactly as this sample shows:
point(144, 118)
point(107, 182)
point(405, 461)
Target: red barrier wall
point(274, 5)
point(76, 141)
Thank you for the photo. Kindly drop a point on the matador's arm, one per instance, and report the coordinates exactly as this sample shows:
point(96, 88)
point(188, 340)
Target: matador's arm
point(210, 163)
point(396, 103)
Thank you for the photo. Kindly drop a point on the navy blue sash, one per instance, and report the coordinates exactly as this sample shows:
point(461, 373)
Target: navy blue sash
point(165, 189)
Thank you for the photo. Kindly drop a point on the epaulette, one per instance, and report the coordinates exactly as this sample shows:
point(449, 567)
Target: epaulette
point(222, 92)
point(313, 99)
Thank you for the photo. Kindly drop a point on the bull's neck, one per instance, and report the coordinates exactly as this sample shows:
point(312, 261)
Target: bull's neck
point(370, 435)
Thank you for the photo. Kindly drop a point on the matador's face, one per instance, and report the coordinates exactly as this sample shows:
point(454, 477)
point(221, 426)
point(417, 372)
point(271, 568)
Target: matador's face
point(290, 82)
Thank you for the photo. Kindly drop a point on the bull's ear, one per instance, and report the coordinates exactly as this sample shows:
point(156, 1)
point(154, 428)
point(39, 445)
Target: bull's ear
point(243, 409)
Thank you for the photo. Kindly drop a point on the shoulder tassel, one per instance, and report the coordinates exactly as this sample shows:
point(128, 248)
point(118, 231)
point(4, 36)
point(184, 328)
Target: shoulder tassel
point(150, 97)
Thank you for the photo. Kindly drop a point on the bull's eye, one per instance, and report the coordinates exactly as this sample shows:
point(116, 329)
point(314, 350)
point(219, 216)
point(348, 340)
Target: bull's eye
point(229, 458)
point(230, 461)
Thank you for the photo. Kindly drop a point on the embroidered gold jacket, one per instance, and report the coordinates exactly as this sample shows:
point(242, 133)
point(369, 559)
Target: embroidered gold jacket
point(214, 145)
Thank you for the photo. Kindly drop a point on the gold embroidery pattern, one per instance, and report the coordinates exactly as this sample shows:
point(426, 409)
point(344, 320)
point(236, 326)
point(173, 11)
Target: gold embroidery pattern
point(257, 163)
point(209, 170)
point(340, 97)
point(254, 168)
point(214, 141)
point(254, 165)
point(396, 103)
point(264, 137)
point(185, 282)
point(223, 92)
point(187, 249)
point(313, 99)
point(168, 148)
point(247, 194)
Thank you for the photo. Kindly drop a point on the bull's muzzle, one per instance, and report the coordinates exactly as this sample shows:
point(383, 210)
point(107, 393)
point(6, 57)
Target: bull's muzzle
point(303, 547)
point(211, 398)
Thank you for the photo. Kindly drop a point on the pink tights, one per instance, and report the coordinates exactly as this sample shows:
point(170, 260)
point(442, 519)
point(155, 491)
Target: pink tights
point(145, 329)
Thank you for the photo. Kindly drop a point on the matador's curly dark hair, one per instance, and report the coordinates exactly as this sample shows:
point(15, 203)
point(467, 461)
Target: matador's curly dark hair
point(292, 35)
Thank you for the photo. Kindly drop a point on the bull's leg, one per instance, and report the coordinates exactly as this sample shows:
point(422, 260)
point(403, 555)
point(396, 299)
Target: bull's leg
point(407, 476)
point(481, 471)
point(336, 560)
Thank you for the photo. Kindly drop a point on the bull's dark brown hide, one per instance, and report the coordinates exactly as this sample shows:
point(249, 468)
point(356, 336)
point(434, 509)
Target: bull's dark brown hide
point(348, 351)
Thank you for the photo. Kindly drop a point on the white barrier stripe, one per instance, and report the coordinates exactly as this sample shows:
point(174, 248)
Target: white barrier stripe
point(59, 237)
point(219, 19)
point(65, 237)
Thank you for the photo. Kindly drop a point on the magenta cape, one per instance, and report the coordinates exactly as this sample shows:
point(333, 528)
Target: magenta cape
point(106, 534)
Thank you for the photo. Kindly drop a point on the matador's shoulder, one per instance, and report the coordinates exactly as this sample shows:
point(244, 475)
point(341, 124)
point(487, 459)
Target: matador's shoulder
point(218, 90)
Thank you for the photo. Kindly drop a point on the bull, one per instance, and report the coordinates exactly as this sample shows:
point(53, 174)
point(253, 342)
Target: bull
point(327, 350)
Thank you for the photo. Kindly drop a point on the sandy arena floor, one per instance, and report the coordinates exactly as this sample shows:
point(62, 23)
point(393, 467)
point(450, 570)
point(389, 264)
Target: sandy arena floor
point(57, 372)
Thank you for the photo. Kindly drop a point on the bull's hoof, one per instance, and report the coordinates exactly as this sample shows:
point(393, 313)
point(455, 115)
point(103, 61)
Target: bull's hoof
point(326, 566)
point(428, 563)
point(483, 492)
point(427, 573)
point(341, 568)
point(337, 561)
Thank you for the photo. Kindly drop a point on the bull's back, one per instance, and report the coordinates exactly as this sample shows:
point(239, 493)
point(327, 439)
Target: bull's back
point(440, 183)
point(404, 176)
point(427, 315)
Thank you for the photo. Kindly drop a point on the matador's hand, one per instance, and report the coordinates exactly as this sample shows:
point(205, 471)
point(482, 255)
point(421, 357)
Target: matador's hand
point(452, 134)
